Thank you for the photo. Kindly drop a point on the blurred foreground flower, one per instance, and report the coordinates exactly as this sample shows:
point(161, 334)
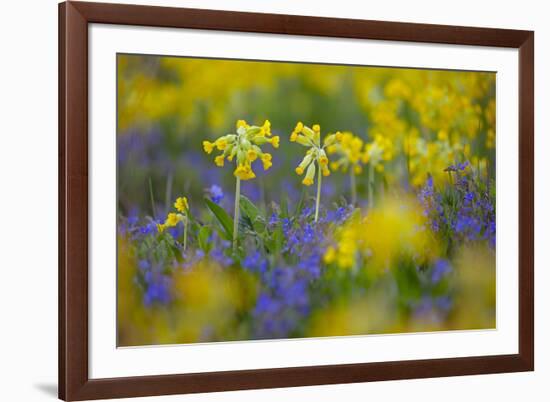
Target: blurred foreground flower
point(395, 229)
point(476, 290)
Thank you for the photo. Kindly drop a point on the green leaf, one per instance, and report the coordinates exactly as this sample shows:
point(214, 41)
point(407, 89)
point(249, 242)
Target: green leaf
point(251, 211)
point(248, 208)
point(204, 234)
point(300, 204)
point(278, 239)
point(223, 218)
point(284, 206)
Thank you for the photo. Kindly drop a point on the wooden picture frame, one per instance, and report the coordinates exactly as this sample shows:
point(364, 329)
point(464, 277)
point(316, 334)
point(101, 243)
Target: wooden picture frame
point(74, 381)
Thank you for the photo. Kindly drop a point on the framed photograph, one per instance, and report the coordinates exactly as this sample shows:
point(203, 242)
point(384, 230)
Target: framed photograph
point(260, 200)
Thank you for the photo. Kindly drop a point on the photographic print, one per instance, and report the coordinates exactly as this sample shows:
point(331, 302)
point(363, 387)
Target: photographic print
point(269, 200)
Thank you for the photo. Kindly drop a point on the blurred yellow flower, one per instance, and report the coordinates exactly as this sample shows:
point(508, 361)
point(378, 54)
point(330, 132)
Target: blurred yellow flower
point(396, 228)
point(181, 204)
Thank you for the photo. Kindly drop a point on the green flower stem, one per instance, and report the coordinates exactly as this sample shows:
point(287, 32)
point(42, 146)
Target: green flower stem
point(318, 193)
point(236, 216)
point(152, 198)
point(352, 185)
point(185, 233)
point(371, 184)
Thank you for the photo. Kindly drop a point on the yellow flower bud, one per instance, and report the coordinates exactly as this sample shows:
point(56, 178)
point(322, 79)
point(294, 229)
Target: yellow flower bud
point(161, 227)
point(266, 128)
point(308, 132)
point(323, 160)
point(303, 140)
point(316, 128)
point(325, 171)
point(310, 175)
point(299, 171)
point(330, 140)
point(293, 136)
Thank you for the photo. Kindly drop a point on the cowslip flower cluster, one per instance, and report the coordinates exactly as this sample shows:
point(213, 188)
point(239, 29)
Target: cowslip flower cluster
point(349, 150)
point(173, 218)
point(378, 151)
point(244, 147)
point(316, 159)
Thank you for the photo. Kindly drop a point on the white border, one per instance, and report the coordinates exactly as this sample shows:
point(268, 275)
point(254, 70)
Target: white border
point(105, 360)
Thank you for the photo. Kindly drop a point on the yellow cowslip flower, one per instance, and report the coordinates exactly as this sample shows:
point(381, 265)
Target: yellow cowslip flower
point(219, 160)
point(266, 160)
point(252, 155)
point(208, 146)
point(221, 143)
point(275, 141)
point(266, 129)
point(181, 204)
point(316, 159)
point(244, 172)
point(161, 227)
point(172, 219)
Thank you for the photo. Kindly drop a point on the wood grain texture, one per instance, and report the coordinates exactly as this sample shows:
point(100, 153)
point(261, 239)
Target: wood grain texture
point(74, 382)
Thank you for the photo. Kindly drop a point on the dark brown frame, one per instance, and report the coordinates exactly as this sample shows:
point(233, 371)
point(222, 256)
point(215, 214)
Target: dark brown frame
point(74, 17)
